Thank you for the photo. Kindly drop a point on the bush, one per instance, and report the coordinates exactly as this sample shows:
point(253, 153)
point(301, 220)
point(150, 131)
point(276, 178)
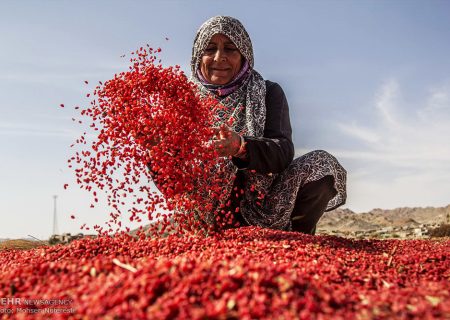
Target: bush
point(441, 231)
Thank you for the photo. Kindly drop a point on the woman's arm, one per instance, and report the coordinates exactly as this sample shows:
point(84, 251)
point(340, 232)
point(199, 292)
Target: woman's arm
point(273, 152)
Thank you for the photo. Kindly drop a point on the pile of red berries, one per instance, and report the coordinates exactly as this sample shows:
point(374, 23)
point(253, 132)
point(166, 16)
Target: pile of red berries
point(247, 273)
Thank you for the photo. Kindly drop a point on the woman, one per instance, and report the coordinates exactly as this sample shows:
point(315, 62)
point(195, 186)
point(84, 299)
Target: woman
point(278, 192)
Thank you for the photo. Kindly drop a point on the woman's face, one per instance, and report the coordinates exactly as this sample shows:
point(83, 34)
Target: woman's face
point(221, 60)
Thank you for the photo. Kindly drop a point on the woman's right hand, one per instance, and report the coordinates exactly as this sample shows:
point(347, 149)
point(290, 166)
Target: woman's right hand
point(228, 142)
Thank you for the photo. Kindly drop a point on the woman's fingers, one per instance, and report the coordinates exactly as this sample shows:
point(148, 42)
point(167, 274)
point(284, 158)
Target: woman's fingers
point(227, 147)
point(216, 131)
point(227, 142)
point(225, 131)
point(222, 132)
point(220, 146)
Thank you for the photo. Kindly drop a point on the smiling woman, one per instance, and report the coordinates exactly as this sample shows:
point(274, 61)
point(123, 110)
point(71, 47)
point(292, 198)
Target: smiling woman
point(265, 186)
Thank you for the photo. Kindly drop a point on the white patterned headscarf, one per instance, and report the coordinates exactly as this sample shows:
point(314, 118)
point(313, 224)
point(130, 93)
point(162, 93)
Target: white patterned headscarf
point(247, 103)
point(228, 26)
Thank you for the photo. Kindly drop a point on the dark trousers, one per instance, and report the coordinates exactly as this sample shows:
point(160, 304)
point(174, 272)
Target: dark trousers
point(312, 200)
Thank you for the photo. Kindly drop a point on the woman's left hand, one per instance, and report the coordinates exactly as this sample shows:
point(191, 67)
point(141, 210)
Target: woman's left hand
point(227, 142)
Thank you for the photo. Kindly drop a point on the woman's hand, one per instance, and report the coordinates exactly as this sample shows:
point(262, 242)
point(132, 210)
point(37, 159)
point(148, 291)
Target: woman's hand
point(227, 142)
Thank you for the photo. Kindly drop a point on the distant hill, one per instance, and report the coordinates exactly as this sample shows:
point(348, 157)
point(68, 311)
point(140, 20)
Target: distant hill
point(347, 221)
point(21, 244)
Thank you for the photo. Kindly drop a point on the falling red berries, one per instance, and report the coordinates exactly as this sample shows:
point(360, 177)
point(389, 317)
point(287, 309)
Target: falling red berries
point(152, 125)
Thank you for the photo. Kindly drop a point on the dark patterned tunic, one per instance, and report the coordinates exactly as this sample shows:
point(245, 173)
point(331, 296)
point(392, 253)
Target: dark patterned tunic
point(273, 153)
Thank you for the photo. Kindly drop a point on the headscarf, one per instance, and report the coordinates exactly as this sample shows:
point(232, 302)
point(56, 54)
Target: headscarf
point(247, 103)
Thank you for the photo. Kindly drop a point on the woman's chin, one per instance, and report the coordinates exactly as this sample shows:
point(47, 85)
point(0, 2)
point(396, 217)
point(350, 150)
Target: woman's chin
point(219, 80)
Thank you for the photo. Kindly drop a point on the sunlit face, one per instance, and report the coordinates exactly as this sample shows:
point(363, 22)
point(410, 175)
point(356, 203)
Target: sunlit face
point(221, 60)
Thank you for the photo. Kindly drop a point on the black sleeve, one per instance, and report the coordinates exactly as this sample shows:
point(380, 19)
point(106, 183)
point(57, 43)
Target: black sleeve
point(273, 152)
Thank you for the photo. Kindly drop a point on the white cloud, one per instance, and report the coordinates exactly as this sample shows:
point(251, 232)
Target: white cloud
point(386, 100)
point(364, 134)
point(405, 157)
point(439, 99)
point(404, 135)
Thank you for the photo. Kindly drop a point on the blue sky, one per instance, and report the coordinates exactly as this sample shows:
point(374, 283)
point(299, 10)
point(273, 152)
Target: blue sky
point(369, 81)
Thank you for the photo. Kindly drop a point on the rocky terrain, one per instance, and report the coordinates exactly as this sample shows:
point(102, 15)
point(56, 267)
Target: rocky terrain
point(379, 223)
point(21, 244)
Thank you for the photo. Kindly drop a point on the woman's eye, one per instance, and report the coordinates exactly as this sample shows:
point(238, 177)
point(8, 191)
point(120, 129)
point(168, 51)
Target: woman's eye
point(230, 49)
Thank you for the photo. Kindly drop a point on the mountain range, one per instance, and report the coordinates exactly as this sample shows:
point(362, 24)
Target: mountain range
point(345, 220)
